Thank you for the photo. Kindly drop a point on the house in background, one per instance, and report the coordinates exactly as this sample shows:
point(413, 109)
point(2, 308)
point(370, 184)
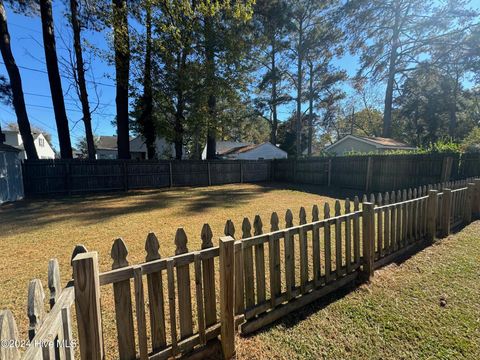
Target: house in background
point(106, 147)
point(163, 148)
point(231, 150)
point(361, 144)
point(44, 149)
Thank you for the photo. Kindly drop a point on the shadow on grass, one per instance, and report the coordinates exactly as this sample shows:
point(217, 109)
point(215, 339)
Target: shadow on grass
point(34, 213)
point(321, 190)
point(297, 316)
point(95, 208)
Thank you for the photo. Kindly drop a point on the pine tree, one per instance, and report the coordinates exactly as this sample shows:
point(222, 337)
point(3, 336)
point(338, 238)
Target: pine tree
point(54, 79)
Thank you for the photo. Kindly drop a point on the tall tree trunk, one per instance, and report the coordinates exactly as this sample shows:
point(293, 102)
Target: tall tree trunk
point(452, 124)
point(148, 126)
point(122, 63)
point(310, 110)
point(210, 81)
point(54, 79)
point(392, 71)
point(298, 122)
point(273, 133)
point(82, 87)
point(16, 85)
point(180, 113)
point(179, 119)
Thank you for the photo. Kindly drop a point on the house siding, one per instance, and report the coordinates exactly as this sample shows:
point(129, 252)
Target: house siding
point(349, 145)
point(44, 152)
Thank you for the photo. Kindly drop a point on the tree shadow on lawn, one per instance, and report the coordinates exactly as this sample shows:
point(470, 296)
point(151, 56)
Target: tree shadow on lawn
point(302, 314)
point(93, 208)
point(321, 190)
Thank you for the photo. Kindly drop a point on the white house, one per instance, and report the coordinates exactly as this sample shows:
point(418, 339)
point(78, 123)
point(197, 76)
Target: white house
point(232, 150)
point(360, 144)
point(44, 149)
point(106, 147)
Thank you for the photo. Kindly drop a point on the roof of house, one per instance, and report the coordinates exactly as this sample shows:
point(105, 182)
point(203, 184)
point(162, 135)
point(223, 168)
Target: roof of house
point(385, 141)
point(35, 136)
point(223, 147)
point(379, 142)
point(239, 149)
point(106, 142)
point(247, 148)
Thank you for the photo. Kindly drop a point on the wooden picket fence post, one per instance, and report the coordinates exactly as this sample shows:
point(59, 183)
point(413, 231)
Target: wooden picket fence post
point(446, 212)
point(8, 334)
point(87, 305)
point(227, 296)
point(432, 215)
point(368, 219)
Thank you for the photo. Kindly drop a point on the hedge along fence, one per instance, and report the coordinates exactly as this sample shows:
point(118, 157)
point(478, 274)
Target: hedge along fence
point(378, 172)
point(43, 177)
point(175, 305)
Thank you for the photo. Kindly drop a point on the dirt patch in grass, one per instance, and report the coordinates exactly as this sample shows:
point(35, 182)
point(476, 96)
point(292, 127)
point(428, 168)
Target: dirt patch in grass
point(424, 308)
point(34, 231)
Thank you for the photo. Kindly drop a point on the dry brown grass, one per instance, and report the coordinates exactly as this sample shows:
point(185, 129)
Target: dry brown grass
point(34, 231)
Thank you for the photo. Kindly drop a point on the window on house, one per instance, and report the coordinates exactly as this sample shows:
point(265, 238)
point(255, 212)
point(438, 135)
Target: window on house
point(41, 142)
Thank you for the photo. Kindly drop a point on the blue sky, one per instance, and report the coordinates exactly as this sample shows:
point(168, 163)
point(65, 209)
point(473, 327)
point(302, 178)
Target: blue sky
point(26, 36)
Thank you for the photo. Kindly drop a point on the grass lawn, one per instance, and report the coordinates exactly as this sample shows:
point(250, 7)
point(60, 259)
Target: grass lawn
point(399, 315)
point(34, 231)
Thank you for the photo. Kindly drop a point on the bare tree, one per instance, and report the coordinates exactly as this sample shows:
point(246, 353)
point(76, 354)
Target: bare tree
point(80, 78)
point(16, 86)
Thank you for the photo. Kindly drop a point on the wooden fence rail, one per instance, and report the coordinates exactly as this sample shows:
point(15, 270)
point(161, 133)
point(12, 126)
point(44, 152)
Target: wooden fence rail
point(172, 306)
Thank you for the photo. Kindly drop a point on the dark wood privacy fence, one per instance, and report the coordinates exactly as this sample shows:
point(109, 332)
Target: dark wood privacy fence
point(172, 306)
point(366, 173)
point(43, 177)
point(378, 172)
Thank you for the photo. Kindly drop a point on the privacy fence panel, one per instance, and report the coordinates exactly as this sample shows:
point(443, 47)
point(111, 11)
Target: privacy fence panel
point(378, 172)
point(256, 171)
point(350, 172)
point(312, 171)
point(405, 171)
point(469, 165)
point(43, 177)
